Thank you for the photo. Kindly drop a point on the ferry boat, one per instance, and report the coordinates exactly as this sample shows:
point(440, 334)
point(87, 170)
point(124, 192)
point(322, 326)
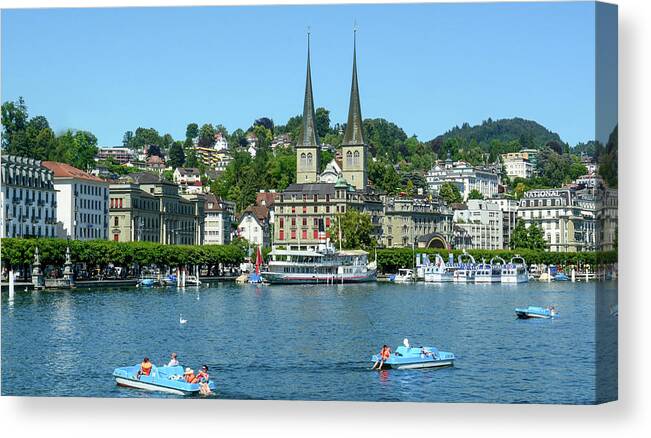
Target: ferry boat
point(311, 267)
point(438, 272)
point(465, 272)
point(515, 271)
point(490, 272)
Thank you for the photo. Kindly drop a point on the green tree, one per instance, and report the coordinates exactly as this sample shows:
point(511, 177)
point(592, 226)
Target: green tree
point(450, 193)
point(322, 122)
point(168, 175)
point(536, 238)
point(356, 230)
point(77, 148)
point(475, 194)
point(14, 120)
point(519, 236)
point(127, 140)
point(207, 135)
point(192, 131)
point(176, 155)
point(145, 137)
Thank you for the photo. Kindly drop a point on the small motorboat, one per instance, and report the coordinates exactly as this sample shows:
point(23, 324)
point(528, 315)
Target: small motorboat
point(536, 312)
point(407, 357)
point(192, 280)
point(561, 277)
point(146, 282)
point(403, 276)
point(165, 379)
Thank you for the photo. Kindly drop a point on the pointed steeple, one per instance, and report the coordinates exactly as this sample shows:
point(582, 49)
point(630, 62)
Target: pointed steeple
point(354, 133)
point(308, 136)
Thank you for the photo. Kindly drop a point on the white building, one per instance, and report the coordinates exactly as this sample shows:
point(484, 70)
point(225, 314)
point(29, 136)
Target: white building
point(480, 225)
point(120, 154)
point(466, 177)
point(518, 168)
point(217, 230)
point(28, 205)
point(509, 209)
point(82, 202)
point(221, 144)
point(590, 181)
point(186, 175)
point(331, 173)
point(254, 226)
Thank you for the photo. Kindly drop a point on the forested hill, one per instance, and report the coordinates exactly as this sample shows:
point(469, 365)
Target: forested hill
point(527, 133)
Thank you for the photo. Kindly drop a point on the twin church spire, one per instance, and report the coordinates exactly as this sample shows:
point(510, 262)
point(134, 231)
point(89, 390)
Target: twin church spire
point(354, 150)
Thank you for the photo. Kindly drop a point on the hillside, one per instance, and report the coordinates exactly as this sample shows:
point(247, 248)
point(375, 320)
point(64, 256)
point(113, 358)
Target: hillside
point(527, 133)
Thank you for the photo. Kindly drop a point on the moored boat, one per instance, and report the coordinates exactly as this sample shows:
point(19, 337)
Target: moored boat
point(515, 271)
point(164, 379)
point(403, 276)
point(406, 357)
point(536, 312)
point(310, 267)
point(490, 272)
point(438, 272)
point(465, 272)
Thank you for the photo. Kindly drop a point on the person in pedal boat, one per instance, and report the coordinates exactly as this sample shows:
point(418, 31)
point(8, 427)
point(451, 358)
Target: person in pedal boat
point(202, 376)
point(174, 361)
point(384, 354)
point(188, 375)
point(145, 368)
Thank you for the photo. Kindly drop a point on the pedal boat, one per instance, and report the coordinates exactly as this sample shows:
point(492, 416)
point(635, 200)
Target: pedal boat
point(416, 357)
point(535, 312)
point(164, 379)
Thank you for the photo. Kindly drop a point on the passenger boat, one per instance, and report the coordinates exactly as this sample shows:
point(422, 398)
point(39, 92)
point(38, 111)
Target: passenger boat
point(406, 357)
point(465, 272)
point(403, 276)
point(536, 312)
point(164, 379)
point(490, 272)
point(327, 266)
point(438, 272)
point(515, 271)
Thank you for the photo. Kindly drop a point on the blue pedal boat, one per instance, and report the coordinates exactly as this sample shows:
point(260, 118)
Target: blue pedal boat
point(416, 357)
point(165, 379)
point(536, 312)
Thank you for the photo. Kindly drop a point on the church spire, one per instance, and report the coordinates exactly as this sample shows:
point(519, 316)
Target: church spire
point(308, 136)
point(354, 133)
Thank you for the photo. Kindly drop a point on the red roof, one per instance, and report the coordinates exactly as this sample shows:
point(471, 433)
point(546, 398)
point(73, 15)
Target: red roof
point(64, 170)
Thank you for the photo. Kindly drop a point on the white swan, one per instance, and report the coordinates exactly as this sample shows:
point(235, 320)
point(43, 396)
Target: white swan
point(181, 320)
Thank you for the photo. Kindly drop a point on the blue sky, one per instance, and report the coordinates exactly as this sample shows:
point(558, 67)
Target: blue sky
point(425, 67)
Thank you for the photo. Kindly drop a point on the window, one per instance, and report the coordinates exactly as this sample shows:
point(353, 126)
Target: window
point(309, 159)
point(305, 222)
point(116, 237)
point(327, 222)
point(304, 234)
point(293, 222)
point(303, 160)
point(293, 234)
point(315, 234)
point(115, 221)
point(356, 158)
point(282, 222)
point(349, 159)
point(281, 235)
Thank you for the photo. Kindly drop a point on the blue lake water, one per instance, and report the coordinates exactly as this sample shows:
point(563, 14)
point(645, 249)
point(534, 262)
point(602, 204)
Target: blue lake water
point(315, 342)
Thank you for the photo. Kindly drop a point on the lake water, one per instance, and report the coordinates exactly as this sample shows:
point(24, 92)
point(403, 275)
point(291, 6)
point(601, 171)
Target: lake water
point(315, 342)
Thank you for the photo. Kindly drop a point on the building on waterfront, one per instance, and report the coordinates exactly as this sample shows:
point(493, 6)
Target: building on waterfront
point(254, 226)
point(517, 167)
point(143, 207)
point(607, 217)
point(478, 225)
point(28, 204)
point(420, 221)
point(82, 199)
point(217, 229)
point(305, 210)
point(509, 208)
point(466, 177)
point(120, 155)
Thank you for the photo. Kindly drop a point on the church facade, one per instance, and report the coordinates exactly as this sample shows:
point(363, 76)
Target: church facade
point(306, 210)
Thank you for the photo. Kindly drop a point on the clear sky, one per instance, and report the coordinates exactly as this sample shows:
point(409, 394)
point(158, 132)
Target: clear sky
point(426, 67)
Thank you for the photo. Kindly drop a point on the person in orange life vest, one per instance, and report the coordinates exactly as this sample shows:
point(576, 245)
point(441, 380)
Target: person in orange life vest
point(202, 376)
point(189, 375)
point(384, 354)
point(145, 368)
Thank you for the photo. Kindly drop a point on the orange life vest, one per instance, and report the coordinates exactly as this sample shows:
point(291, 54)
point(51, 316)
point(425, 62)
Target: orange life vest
point(189, 378)
point(145, 368)
point(386, 353)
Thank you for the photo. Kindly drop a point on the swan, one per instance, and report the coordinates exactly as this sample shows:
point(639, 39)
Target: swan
point(181, 320)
